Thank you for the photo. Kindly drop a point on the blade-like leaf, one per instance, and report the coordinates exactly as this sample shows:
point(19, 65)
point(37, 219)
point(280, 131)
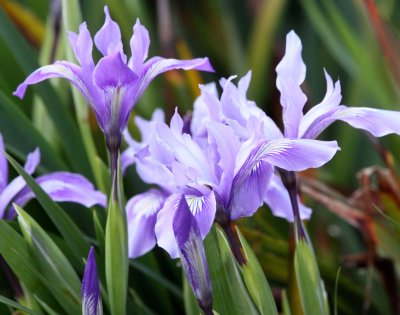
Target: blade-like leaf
point(285, 304)
point(116, 257)
point(189, 300)
point(46, 307)
point(11, 120)
point(15, 251)
point(16, 305)
point(229, 292)
point(53, 263)
point(255, 280)
point(72, 142)
point(311, 287)
point(68, 229)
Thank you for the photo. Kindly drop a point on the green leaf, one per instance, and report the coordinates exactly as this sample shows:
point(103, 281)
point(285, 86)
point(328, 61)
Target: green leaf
point(229, 292)
point(16, 305)
point(104, 183)
point(285, 304)
point(311, 287)
point(189, 300)
point(15, 251)
point(27, 60)
point(68, 229)
point(144, 268)
point(52, 261)
point(335, 297)
point(140, 307)
point(46, 307)
point(116, 257)
point(11, 120)
point(255, 280)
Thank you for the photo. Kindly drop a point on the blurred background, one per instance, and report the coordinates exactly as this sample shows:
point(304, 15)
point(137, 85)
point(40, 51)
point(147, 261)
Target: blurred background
point(354, 226)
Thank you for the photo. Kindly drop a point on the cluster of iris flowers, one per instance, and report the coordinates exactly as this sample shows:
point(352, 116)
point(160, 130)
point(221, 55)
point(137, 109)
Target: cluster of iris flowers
point(218, 164)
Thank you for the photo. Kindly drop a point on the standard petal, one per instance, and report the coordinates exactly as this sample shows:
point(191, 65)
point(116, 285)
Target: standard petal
point(141, 213)
point(205, 108)
point(140, 43)
point(108, 38)
point(249, 188)
point(318, 116)
point(188, 153)
point(66, 187)
point(91, 295)
point(227, 146)
point(293, 100)
point(192, 253)
point(82, 44)
point(291, 154)
point(146, 127)
point(291, 73)
point(292, 65)
point(277, 199)
point(3, 166)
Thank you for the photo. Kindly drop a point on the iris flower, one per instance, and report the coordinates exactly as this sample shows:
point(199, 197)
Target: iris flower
point(221, 177)
point(60, 186)
point(291, 73)
point(234, 109)
point(114, 85)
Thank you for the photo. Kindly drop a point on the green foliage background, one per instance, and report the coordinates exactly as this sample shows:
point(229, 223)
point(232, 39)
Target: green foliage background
point(355, 41)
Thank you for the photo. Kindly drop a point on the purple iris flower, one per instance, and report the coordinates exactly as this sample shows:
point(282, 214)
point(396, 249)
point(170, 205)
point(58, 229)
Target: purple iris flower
point(291, 73)
point(60, 186)
point(91, 296)
point(221, 177)
point(191, 250)
point(114, 85)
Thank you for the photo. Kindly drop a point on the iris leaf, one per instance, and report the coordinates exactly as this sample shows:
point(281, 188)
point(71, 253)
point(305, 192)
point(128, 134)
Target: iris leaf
point(255, 280)
point(68, 229)
point(16, 305)
point(311, 288)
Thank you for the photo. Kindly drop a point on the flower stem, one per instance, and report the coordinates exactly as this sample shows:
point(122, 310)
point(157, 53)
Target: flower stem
point(225, 224)
point(289, 180)
point(113, 146)
point(114, 170)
